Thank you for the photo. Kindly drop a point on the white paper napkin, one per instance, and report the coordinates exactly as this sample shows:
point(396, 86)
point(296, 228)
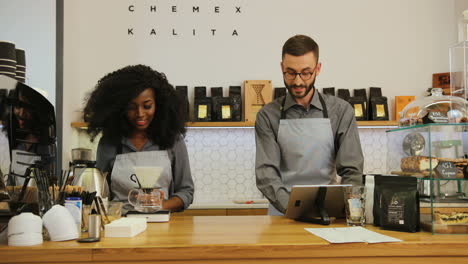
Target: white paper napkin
point(350, 235)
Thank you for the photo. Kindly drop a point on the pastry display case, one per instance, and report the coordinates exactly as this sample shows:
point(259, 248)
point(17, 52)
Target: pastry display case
point(437, 108)
point(431, 144)
point(435, 153)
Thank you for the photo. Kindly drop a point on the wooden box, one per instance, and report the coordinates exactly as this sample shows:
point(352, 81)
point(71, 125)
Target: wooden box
point(257, 93)
point(400, 103)
point(442, 80)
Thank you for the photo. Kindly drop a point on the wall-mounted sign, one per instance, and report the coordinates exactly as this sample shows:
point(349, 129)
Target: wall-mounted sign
point(181, 13)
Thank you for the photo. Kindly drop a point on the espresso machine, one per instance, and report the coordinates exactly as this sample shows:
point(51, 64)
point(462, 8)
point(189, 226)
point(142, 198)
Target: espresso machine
point(28, 120)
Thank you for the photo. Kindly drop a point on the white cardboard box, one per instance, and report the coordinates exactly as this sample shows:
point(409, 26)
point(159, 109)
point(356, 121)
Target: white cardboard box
point(125, 227)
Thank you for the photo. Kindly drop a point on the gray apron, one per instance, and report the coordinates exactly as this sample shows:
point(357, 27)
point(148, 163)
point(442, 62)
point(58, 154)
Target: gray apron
point(307, 151)
point(121, 184)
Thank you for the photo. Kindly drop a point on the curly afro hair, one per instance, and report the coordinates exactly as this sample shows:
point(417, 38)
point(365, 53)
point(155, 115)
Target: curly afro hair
point(106, 107)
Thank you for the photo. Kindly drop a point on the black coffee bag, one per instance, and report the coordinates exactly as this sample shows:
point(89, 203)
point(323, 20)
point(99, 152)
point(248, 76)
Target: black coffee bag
point(378, 108)
point(202, 109)
point(359, 105)
point(375, 92)
point(344, 94)
point(224, 109)
point(396, 203)
point(200, 92)
point(182, 93)
point(329, 90)
point(202, 105)
point(236, 98)
point(216, 97)
point(278, 92)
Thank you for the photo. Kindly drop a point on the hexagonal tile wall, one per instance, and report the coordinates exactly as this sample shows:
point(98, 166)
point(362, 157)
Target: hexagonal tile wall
point(223, 165)
point(222, 160)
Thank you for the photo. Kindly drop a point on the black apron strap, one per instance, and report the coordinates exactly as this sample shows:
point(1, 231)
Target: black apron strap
point(283, 113)
point(119, 149)
point(109, 174)
point(325, 110)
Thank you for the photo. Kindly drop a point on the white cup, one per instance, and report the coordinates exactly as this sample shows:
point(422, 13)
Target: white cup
point(60, 224)
point(25, 230)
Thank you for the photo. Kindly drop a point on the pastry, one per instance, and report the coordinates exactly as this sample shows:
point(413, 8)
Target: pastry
point(451, 219)
point(418, 163)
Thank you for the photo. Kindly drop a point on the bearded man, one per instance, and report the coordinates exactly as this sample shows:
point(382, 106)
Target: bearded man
point(304, 137)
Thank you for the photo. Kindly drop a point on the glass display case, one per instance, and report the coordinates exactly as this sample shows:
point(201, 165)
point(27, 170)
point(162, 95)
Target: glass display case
point(437, 154)
point(459, 70)
point(436, 108)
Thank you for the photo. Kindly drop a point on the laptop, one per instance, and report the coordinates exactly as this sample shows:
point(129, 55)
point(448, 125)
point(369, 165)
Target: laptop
point(316, 203)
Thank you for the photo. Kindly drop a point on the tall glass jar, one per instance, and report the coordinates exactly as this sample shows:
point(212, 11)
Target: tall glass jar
point(463, 27)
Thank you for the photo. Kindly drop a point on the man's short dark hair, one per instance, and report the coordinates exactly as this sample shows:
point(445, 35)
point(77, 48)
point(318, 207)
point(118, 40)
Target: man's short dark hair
point(300, 45)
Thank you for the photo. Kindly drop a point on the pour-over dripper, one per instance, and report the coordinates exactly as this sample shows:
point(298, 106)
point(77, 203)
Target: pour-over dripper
point(148, 176)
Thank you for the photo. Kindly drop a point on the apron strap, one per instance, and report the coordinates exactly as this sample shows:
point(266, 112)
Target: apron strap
point(119, 149)
point(325, 110)
point(109, 173)
point(283, 113)
point(324, 106)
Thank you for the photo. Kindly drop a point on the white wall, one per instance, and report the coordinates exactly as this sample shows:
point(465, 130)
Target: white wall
point(460, 5)
point(30, 24)
point(393, 44)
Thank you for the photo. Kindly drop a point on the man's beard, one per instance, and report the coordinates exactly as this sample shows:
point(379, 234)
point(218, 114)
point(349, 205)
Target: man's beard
point(307, 91)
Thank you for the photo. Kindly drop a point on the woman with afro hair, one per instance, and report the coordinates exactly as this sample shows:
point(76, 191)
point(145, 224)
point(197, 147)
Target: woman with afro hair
point(142, 122)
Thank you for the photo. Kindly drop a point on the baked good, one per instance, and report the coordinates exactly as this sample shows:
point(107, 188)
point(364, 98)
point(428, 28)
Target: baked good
point(451, 219)
point(459, 162)
point(418, 163)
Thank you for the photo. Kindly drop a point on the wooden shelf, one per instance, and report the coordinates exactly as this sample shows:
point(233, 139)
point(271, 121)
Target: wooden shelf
point(220, 124)
point(79, 124)
point(251, 124)
point(377, 123)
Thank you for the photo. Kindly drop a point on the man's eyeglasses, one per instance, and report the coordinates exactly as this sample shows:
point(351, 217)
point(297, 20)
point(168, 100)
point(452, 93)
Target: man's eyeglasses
point(291, 75)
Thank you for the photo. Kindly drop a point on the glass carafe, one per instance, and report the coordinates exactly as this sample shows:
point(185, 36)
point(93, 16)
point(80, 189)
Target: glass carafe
point(146, 200)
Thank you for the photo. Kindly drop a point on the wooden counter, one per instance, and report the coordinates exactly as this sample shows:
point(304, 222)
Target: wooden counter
point(384, 124)
point(242, 239)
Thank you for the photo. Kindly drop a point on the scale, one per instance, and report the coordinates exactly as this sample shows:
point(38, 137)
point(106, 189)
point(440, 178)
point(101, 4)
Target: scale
point(156, 217)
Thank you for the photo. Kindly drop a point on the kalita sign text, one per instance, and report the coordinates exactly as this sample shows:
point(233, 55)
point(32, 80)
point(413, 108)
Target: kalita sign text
point(185, 10)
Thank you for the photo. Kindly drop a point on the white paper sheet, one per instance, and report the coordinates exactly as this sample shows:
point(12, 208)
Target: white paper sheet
point(350, 235)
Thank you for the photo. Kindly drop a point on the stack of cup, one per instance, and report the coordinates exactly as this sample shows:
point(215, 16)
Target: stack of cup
point(60, 224)
point(7, 59)
point(25, 230)
point(20, 65)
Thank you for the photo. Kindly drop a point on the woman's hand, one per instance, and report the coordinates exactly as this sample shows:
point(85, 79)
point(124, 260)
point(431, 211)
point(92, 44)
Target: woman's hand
point(174, 204)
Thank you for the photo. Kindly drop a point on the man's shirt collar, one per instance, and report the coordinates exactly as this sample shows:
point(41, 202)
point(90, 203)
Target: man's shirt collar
point(315, 102)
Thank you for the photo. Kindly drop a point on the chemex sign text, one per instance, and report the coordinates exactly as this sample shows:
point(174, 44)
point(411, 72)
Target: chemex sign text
point(172, 9)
